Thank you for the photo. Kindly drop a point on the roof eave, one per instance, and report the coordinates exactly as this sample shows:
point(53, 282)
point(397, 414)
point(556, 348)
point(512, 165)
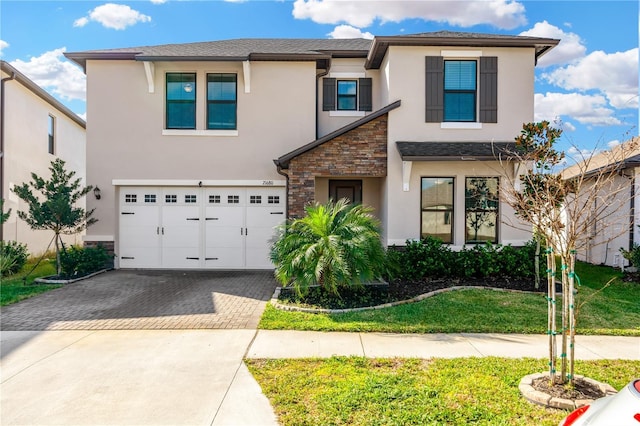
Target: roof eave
point(381, 44)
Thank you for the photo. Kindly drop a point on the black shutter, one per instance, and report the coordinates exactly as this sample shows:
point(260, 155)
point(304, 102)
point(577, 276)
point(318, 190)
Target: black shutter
point(366, 98)
point(488, 89)
point(434, 89)
point(328, 94)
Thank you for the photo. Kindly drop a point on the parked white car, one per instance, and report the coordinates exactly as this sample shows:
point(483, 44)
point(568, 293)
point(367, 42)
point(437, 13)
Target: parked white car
point(621, 409)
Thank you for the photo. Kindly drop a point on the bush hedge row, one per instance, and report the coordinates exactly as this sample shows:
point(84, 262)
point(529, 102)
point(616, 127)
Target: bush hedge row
point(430, 258)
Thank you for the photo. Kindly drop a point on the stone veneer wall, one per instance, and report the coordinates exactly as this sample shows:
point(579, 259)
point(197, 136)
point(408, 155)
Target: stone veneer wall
point(361, 152)
point(108, 245)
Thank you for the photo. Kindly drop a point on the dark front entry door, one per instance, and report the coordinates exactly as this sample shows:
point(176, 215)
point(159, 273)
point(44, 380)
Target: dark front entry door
point(350, 189)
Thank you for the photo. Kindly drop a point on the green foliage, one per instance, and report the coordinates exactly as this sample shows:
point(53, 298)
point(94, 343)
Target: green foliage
point(17, 287)
point(335, 245)
point(55, 207)
point(3, 216)
point(79, 261)
point(13, 256)
point(632, 255)
point(430, 258)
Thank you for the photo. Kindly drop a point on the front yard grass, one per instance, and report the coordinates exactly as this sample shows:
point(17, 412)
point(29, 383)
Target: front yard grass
point(12, 288)
point(359, 391)
point(613, 311)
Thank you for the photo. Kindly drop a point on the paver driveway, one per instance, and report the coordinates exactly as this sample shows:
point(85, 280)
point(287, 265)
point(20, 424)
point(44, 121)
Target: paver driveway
point(141, 300)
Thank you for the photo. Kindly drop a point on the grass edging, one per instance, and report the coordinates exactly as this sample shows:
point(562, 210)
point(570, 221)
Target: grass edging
point(293, 308)
point(45, 280)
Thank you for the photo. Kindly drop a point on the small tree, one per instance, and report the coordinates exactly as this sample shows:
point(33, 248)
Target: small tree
point(335, 245)
point(564, 208)
point(53, 206)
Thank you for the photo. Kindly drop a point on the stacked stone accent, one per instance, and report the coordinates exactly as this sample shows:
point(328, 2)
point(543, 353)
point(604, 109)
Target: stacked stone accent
point(108, 245)
point(358, 153)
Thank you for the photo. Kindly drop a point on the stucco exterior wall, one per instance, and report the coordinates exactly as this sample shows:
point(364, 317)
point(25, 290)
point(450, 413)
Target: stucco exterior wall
point(26, 150)
point(404, 70)
point(126, 122)
point(347, 68)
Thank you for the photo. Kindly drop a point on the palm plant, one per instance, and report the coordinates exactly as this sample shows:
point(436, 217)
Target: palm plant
point(334, 245)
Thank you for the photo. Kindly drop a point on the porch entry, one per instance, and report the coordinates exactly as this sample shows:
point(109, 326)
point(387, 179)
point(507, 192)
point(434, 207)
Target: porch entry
point(349, 189)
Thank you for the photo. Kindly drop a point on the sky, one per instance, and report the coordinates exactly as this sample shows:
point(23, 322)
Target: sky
point(587, 85)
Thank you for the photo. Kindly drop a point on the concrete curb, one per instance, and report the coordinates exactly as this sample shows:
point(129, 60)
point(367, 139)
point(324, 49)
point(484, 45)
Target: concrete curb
point(544, 399)
point(292, 308)
point(44, 280)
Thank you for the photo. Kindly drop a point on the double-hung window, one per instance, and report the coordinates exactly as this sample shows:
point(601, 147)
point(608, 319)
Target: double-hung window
point(347, 95)
point(437, 208)
point(481, 209)
point(222, 101)
point(460, 90)
point(181, 101)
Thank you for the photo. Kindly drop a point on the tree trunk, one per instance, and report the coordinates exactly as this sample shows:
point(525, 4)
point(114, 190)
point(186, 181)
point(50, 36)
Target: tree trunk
point(551, 312)
point(537, 264)
point(565, 316)
point(572, 316)
point(58, 267)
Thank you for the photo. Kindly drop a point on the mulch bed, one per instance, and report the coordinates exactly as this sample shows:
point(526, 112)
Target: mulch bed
point(398, 290)
point(581, 390)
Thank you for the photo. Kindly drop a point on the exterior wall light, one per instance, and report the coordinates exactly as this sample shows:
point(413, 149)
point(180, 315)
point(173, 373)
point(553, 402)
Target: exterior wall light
point(96, 193)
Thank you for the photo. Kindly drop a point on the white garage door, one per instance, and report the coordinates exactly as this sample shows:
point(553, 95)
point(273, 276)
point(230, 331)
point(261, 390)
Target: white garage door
point(207, 228)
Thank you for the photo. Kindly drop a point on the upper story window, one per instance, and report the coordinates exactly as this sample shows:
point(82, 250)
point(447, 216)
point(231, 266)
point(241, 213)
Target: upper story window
point(347, 94)
point(52, 134)
point(222, 101)
point(460, 90)
point(181, 101)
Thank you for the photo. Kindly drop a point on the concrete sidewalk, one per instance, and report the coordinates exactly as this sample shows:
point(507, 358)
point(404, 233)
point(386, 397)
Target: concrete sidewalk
point(198, 377)
point(303, 344)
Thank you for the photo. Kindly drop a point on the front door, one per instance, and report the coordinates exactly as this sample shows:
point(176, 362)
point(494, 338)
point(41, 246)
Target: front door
point(349, 189)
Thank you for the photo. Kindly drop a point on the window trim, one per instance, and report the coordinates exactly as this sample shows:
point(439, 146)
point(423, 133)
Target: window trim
point(222, 102)
point(194, 102)
point(347, 96)
point(451, 211)
point(497, 210)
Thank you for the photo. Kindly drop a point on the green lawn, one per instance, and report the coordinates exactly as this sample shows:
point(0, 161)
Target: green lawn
point(359, 391)
point(613, 311)
point(13, 289)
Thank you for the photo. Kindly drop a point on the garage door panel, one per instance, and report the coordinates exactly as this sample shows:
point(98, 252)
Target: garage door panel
point(258, 258)
point(227, 257)
point(139, 257)
point(180, 257)
point(224, 216)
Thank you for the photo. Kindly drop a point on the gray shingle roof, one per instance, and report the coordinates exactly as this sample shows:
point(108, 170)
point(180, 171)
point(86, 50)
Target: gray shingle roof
point(307, 49)
point(438, 151)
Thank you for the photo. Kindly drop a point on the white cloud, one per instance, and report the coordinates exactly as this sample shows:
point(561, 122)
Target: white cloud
point(53, 72)
point(158, 1)
point(505, 14)
point(613, 74)
point(613, 143)
point(115, 16)
point(585, 109)
point(569, 49)
point(3, 45)
point(347, 31)
point(567, 126)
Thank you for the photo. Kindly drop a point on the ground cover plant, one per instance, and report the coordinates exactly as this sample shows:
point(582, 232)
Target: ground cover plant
point(14, 288)
point(613, 310)
point(360, 391)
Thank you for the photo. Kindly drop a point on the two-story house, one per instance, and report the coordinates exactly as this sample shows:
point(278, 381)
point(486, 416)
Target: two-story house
point(182, 140)
point(35, 128)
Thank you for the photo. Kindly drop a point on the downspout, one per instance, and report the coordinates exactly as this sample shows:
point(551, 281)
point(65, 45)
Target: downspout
point(286, 189)
point(318, 77)
point(2, 82)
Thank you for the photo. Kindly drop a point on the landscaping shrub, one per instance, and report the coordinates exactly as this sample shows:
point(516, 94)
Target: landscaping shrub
point(632, 255)
point(13, 256)
point(430, 258)
point(79, 261)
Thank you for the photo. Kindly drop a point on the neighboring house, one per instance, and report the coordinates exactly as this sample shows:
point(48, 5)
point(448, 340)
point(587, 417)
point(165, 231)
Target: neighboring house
point(612, 215)
point(182, 140)
point(35, 129)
